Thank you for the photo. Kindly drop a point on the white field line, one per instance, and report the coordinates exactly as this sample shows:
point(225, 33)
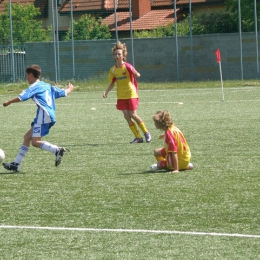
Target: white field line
point(133, 231)
point(182, 103)
point(161, 102)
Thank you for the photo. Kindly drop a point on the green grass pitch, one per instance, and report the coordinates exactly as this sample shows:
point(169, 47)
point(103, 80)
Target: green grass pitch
point(102, 203)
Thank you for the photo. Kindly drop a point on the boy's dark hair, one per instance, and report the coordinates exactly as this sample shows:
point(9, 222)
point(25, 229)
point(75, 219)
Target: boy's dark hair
point(35, 70)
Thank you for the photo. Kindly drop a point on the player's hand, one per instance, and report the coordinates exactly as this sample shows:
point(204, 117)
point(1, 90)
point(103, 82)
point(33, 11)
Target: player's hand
point(161, 136)
point(105, 94)
point(6, 103)
point(175, 171)
point(70, 88)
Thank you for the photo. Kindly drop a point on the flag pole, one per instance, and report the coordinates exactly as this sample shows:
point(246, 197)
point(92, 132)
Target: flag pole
point(218, 57)
point(222, 87)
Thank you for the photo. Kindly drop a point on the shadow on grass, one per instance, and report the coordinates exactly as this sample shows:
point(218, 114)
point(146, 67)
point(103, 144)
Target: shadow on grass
point(145, 172)
point(93, 145)
point(10, 172)
point(154, 172)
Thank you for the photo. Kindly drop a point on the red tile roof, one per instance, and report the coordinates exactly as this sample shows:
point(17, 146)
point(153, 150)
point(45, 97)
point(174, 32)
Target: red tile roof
point(150, 20)
point(160, 13)
point(208, 2)
point(94, 5)
point(86, 5)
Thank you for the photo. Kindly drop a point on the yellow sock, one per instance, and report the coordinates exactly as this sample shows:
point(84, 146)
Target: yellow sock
point(143, 127)
point(135, 130)
point(160, 158)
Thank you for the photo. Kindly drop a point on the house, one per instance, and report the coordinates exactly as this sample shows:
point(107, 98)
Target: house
point(146, 14)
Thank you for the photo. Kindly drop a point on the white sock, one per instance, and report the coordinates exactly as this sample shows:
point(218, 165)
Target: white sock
point(21, 154)
point(49, 147)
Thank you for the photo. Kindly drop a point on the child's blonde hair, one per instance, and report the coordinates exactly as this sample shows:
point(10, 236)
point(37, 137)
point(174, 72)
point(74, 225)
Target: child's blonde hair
point(162, 120)
point(120, 46)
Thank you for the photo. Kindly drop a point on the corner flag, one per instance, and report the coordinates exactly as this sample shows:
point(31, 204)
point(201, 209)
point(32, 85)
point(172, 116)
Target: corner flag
point(218, 55)
point(218, 59)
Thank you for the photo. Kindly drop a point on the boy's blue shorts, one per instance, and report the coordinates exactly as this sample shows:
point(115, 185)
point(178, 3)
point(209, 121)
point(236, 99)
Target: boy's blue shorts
point(40, 130)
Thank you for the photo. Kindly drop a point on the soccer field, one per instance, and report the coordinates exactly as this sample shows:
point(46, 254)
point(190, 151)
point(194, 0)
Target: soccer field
point(103, 203)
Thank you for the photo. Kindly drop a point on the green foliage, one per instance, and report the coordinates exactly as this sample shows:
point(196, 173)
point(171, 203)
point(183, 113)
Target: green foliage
point(24, 26)
point(218, 22)
point(88, 28)
point(201, 24)
point(164, 31)
point(247, 13)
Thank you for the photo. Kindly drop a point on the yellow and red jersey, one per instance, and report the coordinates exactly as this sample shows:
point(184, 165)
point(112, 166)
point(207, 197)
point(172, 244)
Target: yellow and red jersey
point(174, 141)
point(125, 78)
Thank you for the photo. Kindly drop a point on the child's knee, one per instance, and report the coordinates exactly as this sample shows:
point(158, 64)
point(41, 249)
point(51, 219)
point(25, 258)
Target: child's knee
point(159, 152)
point(34, 143)
point(27, 138)
point(156, 152)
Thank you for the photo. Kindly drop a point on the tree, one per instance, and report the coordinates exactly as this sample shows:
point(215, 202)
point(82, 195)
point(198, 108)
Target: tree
point(164, 31)
point(88, 28)
point(218, 22)
point(24, 26)
point(247, 13)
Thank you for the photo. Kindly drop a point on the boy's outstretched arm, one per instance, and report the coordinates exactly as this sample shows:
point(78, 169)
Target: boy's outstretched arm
point(69, 88)
point(14, 100)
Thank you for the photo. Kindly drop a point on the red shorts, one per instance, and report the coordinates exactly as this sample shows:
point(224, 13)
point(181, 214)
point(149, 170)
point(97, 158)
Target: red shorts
point(163, 152)
point(130, 104)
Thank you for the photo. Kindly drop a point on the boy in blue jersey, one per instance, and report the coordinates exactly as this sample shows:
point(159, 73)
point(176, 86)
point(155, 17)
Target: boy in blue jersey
point(44, 95)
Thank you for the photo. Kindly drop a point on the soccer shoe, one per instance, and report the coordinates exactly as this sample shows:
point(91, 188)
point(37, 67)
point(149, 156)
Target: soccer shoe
point(154, 167)
point(137, 140)
point(13, 166)
point(59, 155)
point(190, 166)
point(148, 137)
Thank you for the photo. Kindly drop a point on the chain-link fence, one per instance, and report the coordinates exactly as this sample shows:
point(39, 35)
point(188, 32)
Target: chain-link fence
point(167, 40)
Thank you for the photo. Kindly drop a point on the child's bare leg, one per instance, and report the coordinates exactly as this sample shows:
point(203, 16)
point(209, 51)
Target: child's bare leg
point(135, 117)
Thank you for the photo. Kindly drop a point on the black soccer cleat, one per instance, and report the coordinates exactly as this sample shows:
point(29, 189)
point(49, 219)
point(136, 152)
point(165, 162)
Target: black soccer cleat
point(137, 140)
point(59, 155)
point(13, 166)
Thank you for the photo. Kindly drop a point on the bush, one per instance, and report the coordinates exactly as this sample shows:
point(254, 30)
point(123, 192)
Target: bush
point(88, 28)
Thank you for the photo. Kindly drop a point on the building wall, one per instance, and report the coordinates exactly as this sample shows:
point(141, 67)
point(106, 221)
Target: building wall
point(63, 21)
point(157, 59)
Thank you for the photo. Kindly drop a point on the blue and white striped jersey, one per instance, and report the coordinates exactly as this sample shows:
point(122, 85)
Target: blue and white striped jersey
point(44, 95)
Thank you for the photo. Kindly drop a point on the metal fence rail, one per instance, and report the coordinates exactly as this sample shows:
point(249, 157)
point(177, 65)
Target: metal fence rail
point(9, 57)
